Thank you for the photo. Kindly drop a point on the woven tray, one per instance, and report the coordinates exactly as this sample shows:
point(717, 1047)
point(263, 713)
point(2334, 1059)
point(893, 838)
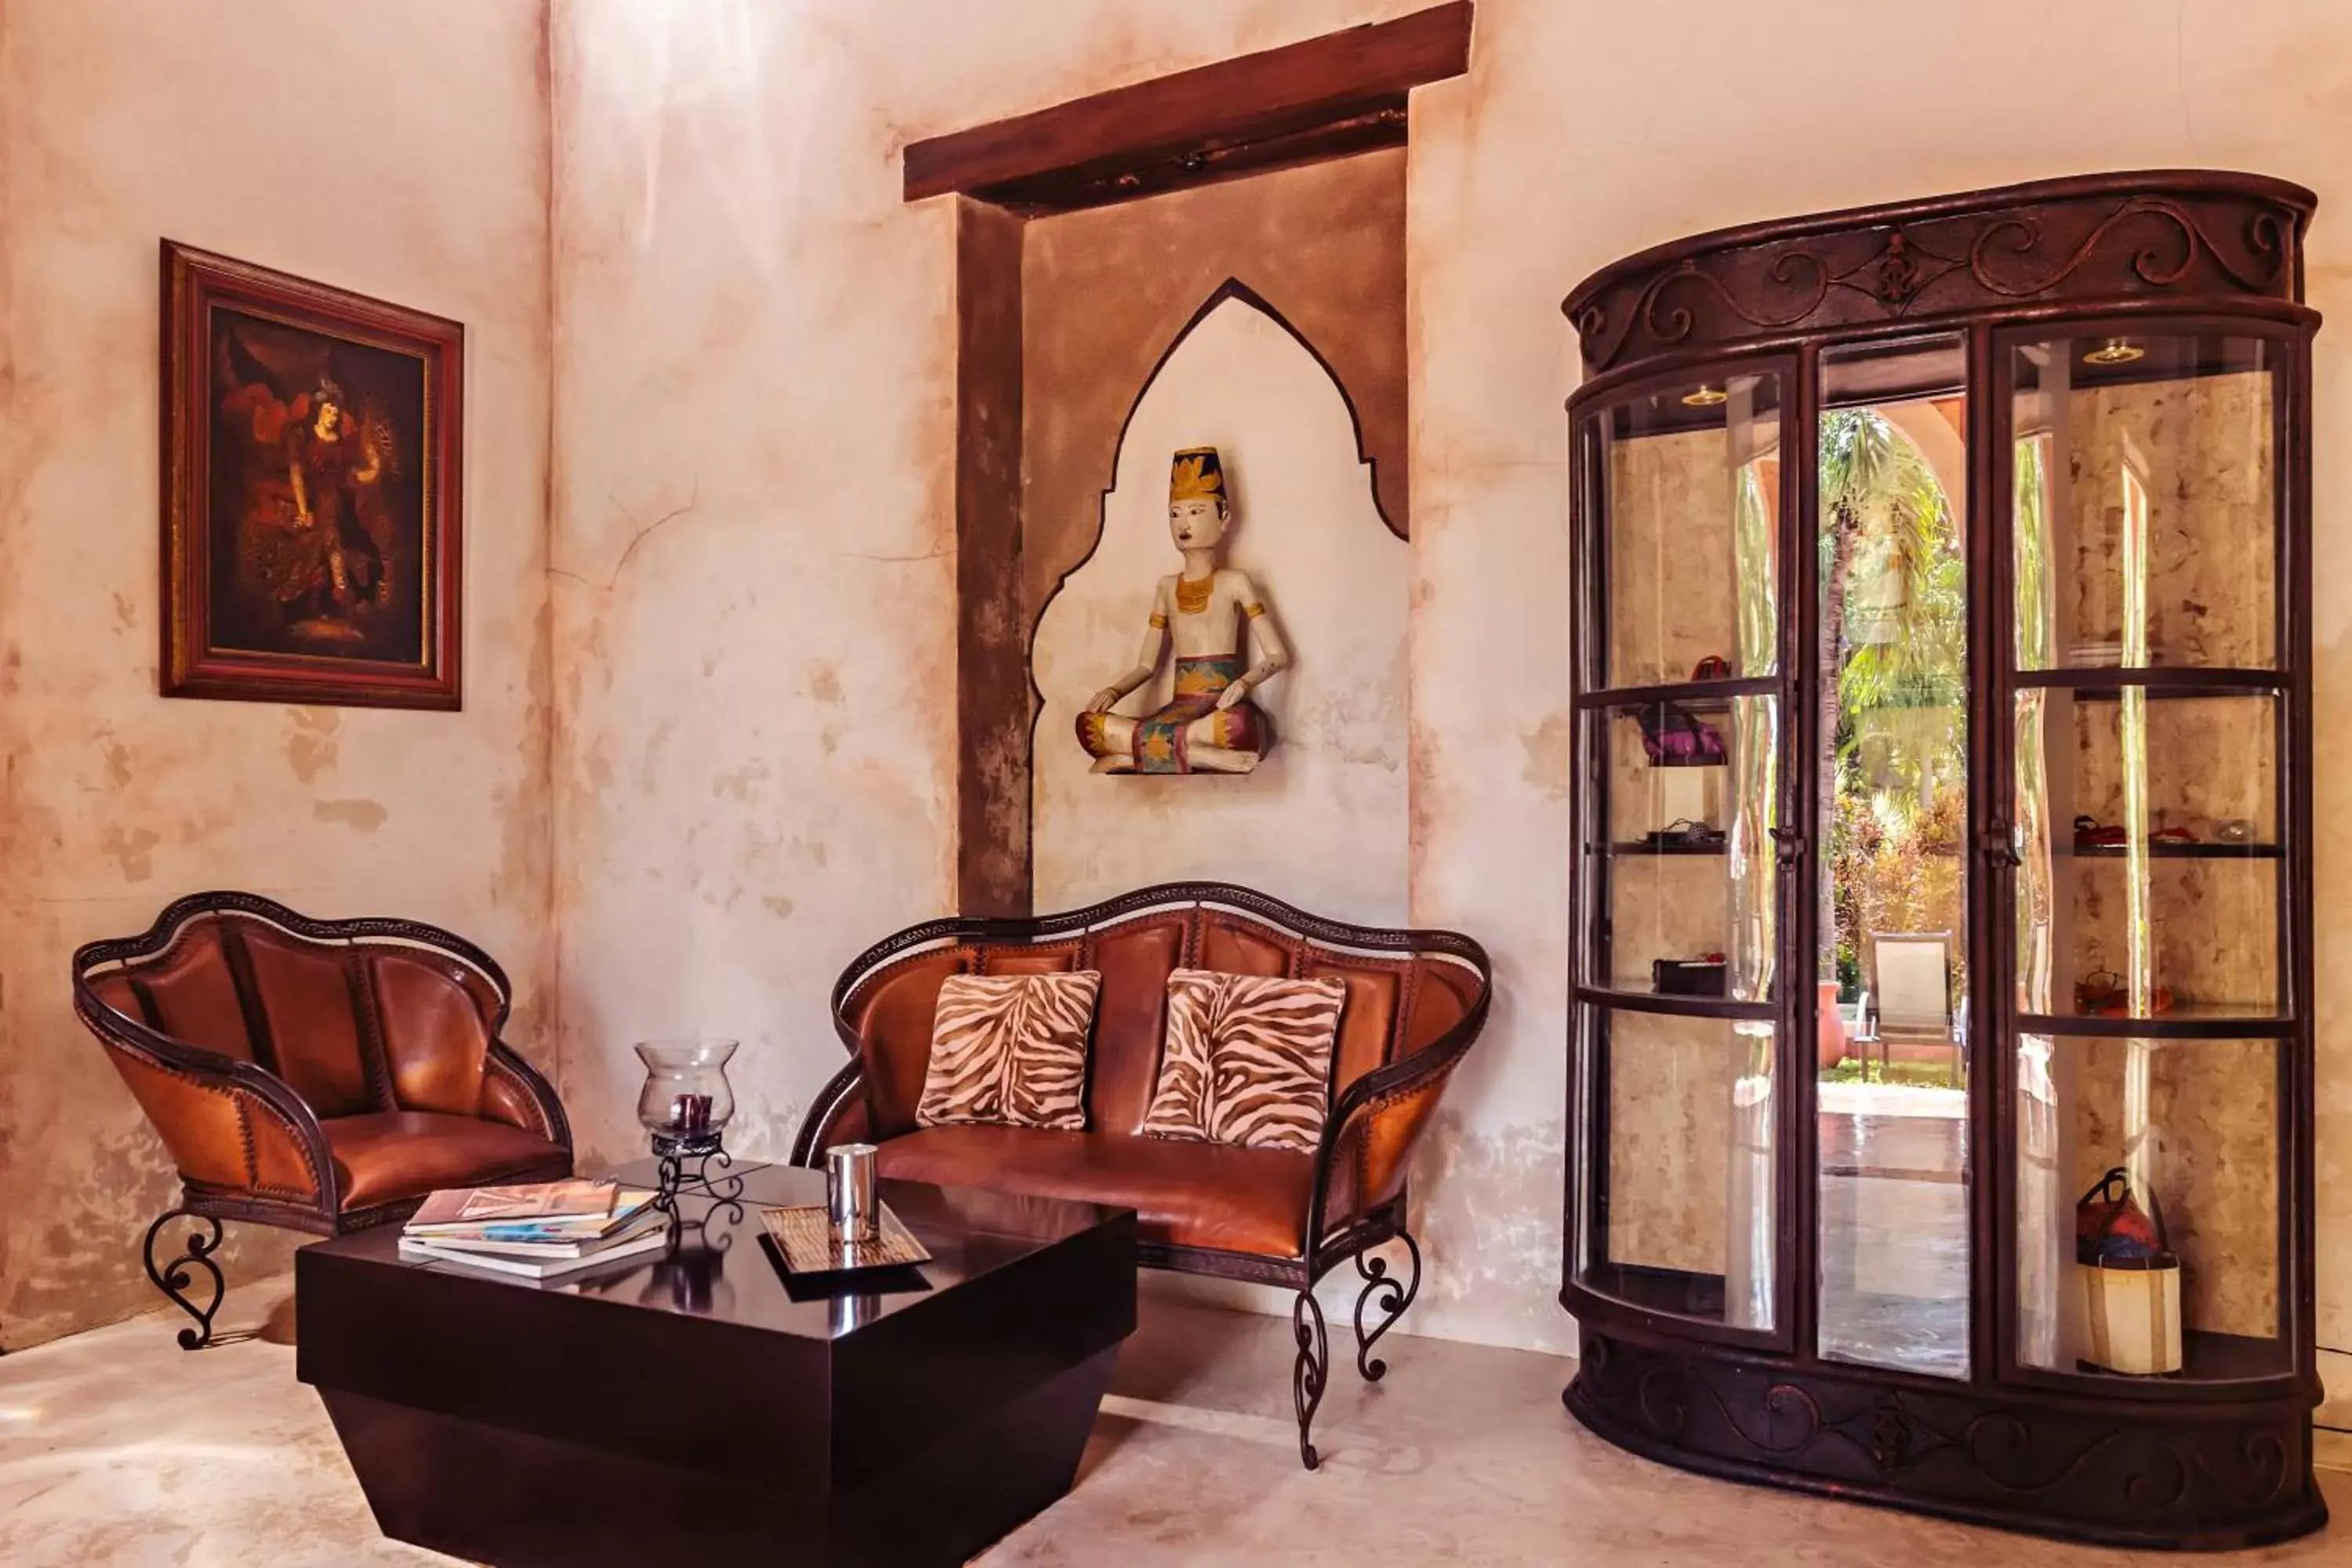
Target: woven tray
point(805, 1241)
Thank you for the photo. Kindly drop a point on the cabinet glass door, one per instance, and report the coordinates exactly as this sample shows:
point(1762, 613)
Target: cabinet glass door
point(1680, 744)
point(2149, 1214)
point(2145, 502)
point(2151, 900)
point(1890, 883)
point(1679, 1216)
point(1688, 478)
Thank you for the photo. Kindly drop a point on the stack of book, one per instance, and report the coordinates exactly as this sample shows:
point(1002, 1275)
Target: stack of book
point(538, 1231)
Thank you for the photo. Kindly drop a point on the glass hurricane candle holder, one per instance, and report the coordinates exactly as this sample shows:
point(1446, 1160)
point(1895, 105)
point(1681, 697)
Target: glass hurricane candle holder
point(687, 1101)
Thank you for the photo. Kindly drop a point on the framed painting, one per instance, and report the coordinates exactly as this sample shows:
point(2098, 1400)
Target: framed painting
point(311, 543)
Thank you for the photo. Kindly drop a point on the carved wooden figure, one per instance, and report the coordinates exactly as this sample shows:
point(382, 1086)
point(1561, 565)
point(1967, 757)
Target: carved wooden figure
point(1211, 724)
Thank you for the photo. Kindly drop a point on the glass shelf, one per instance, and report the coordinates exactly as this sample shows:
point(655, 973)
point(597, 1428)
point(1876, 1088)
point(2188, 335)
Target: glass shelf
point(2149, 927)
point(2167, 850)
point(1716, 846)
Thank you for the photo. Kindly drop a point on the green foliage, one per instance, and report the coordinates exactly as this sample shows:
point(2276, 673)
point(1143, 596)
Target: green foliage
point(1898, 814)
point(1917, 1075)
point(1877, 488)
point(1848, 972)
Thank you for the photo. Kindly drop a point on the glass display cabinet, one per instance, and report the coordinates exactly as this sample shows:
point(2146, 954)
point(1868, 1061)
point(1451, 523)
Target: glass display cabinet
point(1941, 1063)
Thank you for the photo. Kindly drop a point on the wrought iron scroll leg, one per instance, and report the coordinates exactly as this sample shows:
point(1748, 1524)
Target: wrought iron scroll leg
point(1395, 1296)
point(727, 1189)
point(174, 1279)
point(1311, 1370)
point(672, 1184)
point(668, 1177)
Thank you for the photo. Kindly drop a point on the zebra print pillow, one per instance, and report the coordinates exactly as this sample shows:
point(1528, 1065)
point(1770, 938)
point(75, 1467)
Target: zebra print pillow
point(1247, 1060)
point(1011, 1049)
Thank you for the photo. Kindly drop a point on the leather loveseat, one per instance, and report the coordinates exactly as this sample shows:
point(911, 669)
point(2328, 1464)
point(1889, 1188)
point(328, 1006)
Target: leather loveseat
point(1416, 1001)
point(323, 1075)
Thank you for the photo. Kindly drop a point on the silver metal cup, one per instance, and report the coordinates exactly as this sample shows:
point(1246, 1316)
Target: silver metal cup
point(849, 1197)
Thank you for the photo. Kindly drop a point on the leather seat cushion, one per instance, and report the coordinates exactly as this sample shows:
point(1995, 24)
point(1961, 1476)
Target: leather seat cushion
point(1183, 1193)
point(388, 1155)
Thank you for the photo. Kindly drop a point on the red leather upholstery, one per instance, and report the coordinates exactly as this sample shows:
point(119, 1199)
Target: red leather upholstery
point(388, 1155)
point(1130, 1017)
point(219, 1134)
point(1184, 1195)
point(891, 1010)
point(304, 994)
point(510, 1098)
point(1368, 1019)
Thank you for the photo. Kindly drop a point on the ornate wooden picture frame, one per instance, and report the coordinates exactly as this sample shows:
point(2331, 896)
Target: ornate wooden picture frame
point(311, 484)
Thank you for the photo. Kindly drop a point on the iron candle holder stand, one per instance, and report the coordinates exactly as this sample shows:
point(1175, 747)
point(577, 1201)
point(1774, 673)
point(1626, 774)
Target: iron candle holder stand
point(684, 1168)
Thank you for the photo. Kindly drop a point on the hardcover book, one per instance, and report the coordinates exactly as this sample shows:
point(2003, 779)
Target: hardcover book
point(415, 1249)
point(630, 1205)
point(523, 1241)
point(568, 1200)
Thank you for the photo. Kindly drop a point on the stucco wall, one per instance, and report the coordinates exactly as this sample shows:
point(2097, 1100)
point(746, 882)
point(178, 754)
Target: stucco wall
point(1106, 292)
point(753, 532)
point(747, 306)
point(402, 156)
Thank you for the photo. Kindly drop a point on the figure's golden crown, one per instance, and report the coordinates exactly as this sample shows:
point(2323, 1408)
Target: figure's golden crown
point(1196, 475)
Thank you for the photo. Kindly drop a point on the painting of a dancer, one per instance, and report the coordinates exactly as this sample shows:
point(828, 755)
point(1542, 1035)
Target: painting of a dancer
point(311, 525)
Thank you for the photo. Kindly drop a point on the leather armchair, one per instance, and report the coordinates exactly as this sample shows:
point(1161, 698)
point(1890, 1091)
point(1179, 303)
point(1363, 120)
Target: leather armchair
point(1416, 1001)
point(319, 1075)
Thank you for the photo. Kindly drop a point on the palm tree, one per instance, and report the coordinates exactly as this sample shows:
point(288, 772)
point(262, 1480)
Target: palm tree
point(1876, 486)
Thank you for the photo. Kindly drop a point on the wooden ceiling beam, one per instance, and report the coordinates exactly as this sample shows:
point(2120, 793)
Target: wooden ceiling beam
point(1326, 97)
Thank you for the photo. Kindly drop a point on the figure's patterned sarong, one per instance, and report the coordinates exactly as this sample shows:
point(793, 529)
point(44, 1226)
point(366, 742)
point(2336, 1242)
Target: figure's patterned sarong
point(1159, 745)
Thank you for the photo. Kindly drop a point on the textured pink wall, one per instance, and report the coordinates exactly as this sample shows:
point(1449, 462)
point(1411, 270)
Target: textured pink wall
point(400, 151)
point(753, 536)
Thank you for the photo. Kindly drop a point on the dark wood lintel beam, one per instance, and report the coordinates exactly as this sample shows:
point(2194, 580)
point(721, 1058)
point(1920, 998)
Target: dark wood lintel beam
point(1279, 94)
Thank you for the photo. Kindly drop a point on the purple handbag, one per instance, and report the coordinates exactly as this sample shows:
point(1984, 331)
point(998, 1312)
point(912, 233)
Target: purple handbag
point(1675, 739)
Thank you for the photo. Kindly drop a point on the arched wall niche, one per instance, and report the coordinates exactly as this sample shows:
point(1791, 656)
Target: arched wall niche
point(1387, 504)
point(1088, 234)
point(1066, 322)
point(1323, 820)
point(1107, 293)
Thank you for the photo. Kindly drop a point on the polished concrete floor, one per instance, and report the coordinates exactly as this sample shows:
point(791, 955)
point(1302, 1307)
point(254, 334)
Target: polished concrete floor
point(117, 1450)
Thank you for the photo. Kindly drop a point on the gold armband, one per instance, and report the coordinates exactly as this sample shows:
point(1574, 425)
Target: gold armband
point(1253, 611)
point(1159, 621)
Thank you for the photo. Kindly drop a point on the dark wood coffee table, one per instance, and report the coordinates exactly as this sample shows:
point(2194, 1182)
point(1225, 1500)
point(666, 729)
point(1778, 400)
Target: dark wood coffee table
point(692, 1409)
